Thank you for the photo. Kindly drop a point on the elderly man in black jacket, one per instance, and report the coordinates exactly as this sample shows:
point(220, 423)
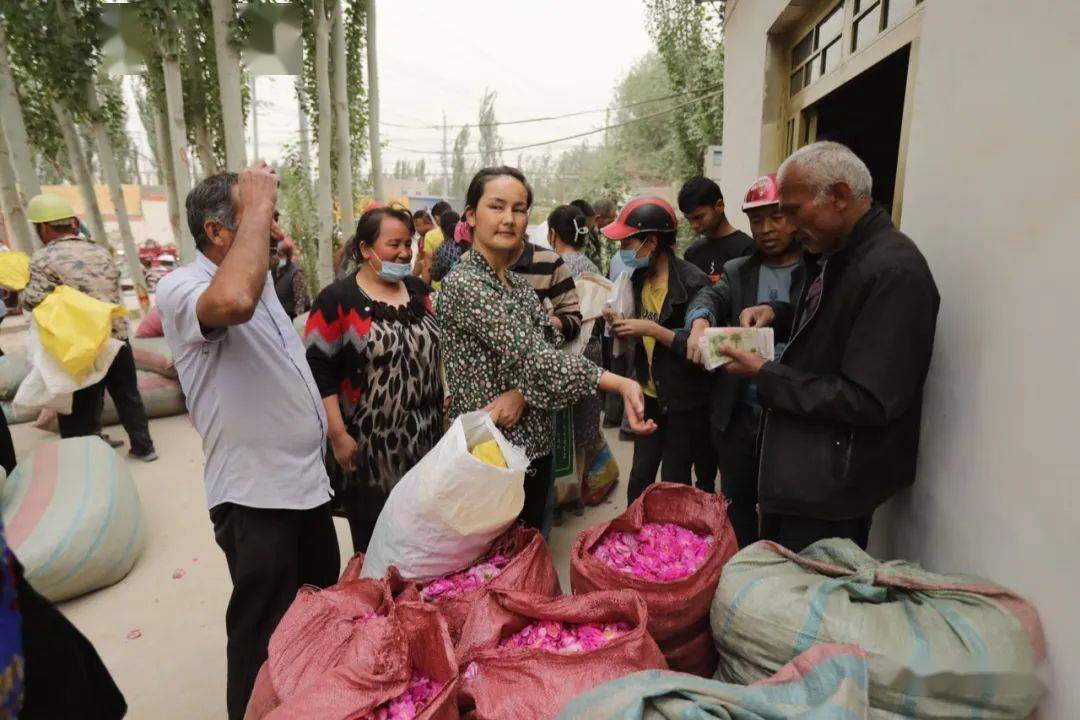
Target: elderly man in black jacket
point(774, 272)
point(843, 403)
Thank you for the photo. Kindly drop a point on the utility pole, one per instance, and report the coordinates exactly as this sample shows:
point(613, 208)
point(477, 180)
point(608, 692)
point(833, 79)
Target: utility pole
point(373, 103)
point(254, 122)
point(445, 160)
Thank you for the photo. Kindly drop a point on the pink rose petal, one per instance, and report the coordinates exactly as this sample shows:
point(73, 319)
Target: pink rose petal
point(560, 637)
point(134, 634)
point(663, 552)
point(178, 573)
point(456, 585)
point(420, 691)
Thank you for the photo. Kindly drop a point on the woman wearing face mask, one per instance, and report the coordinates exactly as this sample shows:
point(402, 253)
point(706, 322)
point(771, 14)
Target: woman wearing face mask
point(499, 346)
point(373, 347)
point(569, 234)
point(676, 390)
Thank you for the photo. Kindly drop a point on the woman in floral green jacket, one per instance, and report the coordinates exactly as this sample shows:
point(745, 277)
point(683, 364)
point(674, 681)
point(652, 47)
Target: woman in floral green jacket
point(498, 343)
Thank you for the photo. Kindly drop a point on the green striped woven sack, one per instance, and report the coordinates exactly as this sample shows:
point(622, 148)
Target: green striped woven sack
point(938, 646)
point(73, 517)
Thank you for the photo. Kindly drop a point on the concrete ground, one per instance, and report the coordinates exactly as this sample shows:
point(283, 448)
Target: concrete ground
point(161, 630)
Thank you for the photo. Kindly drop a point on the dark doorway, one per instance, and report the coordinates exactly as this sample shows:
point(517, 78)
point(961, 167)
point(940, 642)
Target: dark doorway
point(865, 114)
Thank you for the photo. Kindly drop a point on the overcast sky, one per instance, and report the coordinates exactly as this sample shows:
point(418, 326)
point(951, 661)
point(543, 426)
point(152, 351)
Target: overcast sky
point(541, 58)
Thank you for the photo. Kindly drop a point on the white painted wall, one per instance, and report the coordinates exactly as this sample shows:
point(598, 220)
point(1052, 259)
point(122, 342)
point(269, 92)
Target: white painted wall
point(990, 197)
point(746, 46)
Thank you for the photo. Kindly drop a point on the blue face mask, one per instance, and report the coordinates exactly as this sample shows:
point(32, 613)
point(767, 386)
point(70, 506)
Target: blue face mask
point(393, 272)
point(631, 260)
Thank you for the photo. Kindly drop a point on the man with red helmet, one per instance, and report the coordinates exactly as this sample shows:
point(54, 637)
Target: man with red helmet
point(773, 273)
point(676, 391)
point(843, 404)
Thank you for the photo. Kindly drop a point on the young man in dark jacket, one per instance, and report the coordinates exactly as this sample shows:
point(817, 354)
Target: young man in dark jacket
point(718, 241)
point(773, 273)
point(676, 391)
point(843, 404)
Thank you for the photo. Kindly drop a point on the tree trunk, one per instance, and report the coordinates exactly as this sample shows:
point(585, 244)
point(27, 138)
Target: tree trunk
point(305, 141)
point(373, 103)
point(81, 167)
point(204, 147)
point(325, 197)
point(11, 117)
point(228, 66)
point(174, 100)
point(11, 204)
point(341, 124)
point(116, 192)
point(167, 172)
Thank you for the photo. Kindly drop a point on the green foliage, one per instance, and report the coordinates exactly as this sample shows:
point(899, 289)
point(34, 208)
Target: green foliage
point(490, 144)
point(55, 54)
point(689, 38)
point(458, 178)
point(355, 60)
point(202, 95)
point(296, 202)
point(54, 42)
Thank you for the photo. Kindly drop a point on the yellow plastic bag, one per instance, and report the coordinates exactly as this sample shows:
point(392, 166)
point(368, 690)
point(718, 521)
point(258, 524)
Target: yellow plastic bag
point(488, 452)
point(14, 270)
point(74, 327)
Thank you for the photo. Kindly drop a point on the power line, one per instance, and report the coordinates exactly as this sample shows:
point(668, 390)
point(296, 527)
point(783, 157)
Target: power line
point(706, 90)
point(577, 135)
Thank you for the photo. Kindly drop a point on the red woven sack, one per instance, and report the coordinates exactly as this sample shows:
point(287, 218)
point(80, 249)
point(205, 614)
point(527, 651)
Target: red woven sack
point(678, 610)
point(398, 587)
point(325, 663)
point(507, 683)
point(530, 570)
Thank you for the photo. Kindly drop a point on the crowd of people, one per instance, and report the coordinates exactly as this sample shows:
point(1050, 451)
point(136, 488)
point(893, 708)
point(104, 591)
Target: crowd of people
point(437, 313)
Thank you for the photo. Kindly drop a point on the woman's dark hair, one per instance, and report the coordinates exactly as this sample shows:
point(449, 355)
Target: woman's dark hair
point(480, 179)
point(367, 228)
point(664, 240)
point(570, 225)
point(447, 222)
point(439, 208)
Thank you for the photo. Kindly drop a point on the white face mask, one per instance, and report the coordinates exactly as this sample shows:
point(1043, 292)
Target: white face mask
point(282, 262)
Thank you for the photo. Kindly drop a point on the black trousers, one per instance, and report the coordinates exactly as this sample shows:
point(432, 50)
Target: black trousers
point(361, 505)
point(270, 553)
point(736, 454)
point(7, 446)
point(538, 481)
point(679, 445)
point(65, 677)
point(797, 533)
point(87, 405)
point(613, 401)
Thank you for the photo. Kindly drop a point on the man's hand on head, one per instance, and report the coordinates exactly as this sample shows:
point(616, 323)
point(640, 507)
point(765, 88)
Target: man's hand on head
point(257, 186)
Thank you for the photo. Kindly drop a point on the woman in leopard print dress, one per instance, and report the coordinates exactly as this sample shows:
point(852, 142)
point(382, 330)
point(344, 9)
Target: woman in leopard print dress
point(373, 347)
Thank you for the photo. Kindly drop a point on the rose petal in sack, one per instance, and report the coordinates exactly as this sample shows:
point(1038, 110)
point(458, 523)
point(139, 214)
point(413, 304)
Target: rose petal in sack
point(561, 637)
point(420, 691)
point(459, 583)
point(663, 552)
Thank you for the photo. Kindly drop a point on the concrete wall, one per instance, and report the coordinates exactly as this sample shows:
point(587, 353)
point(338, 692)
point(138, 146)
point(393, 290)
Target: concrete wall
point(746, 54)
point(990, 198)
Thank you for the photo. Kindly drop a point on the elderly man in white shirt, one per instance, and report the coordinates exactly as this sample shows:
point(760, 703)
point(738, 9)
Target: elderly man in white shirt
point(255, 403)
